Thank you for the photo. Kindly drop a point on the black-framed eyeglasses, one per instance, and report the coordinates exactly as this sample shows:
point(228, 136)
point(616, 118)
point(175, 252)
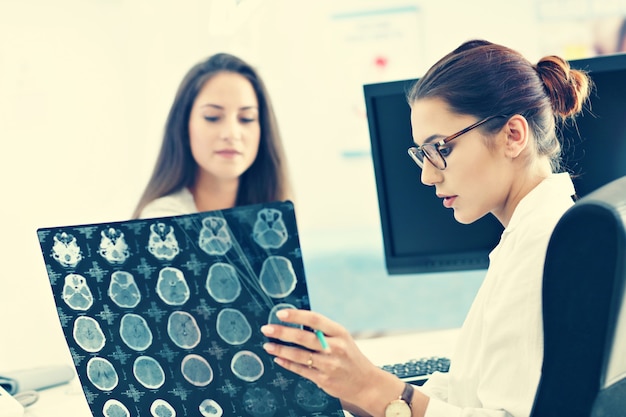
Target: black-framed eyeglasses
point(432, 151)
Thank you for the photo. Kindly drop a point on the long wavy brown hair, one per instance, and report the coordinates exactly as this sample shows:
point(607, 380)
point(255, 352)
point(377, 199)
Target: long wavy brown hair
point(267, 178)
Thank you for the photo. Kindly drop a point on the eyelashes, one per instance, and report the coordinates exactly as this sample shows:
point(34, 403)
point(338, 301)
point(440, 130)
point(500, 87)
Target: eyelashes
point(215, 119)
point(445, 151)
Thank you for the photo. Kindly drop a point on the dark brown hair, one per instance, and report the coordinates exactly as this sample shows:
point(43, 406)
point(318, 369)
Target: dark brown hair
point(482, 79)
point(267, 178)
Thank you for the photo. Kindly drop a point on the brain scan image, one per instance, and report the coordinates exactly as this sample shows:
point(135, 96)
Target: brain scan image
point(310, 397)
point(162, 242)
point(210, 408)
point(162, 315)
point(88, 334)
point(247, 366)
point(222, 283)
point(214, 237)
point(123, 289)
point(113, 246)
point(233, 327)
point(135, 332)
point(183, 330)
point(102, 374)
point(196, 370)
point(270, 231)
point(66, 250)
point(277, 278)
point(260, 402)
point(161, 408)
point(76, 293)
point(172, 287)
point(114, 408)
point(272, 319)
point(148, 372)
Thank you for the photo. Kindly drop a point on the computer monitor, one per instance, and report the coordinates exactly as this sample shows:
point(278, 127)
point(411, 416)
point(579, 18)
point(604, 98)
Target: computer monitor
point(419, 235)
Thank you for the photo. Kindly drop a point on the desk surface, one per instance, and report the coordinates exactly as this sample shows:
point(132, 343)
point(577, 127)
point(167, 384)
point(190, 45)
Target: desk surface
point(406, 346)
point(68, 400)
point(62, 401)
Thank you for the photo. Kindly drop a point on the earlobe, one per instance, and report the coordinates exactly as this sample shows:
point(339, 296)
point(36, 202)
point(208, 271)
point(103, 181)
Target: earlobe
point(517, 136)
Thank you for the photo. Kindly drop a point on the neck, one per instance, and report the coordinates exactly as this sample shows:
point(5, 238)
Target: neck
point(524, 184)
point(211, 194)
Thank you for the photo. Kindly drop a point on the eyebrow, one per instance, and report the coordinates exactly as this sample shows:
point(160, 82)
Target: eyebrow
point(433, 138)
point(217, 106)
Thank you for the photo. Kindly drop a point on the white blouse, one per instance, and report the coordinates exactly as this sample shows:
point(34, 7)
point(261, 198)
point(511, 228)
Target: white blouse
point(175, 204)
point(496, 365)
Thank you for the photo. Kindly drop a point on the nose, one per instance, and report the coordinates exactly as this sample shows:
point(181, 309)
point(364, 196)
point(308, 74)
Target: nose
point(431, 175)
point(231, 129)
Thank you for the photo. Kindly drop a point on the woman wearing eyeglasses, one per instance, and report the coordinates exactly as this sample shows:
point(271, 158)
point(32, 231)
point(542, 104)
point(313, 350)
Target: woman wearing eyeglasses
point(484, 122)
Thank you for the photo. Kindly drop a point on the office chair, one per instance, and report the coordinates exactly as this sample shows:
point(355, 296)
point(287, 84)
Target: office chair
point(584, 310)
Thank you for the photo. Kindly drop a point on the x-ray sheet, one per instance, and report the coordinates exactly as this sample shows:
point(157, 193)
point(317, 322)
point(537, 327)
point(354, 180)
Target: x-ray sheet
point(162, 316)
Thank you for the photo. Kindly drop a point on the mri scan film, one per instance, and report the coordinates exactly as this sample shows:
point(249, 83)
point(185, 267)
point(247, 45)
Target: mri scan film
point(162, 316)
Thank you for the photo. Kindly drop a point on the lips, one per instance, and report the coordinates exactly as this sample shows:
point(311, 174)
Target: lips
point(448, 200)
point(228, 153)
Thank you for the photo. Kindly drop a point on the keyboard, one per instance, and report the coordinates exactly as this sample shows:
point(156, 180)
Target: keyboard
point(417, 371)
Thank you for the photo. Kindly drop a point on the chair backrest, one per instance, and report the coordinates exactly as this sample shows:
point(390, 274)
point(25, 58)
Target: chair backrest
point(583, 309)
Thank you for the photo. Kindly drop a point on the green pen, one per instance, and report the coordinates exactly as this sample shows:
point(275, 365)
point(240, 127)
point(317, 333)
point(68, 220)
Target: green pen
point(322, 339)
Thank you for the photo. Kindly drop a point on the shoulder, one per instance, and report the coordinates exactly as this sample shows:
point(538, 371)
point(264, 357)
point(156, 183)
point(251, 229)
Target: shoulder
point(178, 203)
point(541, 209)
point(525, 240)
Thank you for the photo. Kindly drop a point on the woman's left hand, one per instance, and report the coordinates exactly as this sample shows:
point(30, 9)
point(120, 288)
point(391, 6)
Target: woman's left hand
point(341, 369)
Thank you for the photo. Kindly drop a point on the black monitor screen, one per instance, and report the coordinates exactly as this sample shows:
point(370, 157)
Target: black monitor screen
point(419, 234)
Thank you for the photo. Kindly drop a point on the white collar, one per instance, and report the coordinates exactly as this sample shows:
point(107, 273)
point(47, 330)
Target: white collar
point(556, 187)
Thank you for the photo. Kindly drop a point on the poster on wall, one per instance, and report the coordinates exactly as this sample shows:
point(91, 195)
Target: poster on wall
point(577, 29)
point(370, 46)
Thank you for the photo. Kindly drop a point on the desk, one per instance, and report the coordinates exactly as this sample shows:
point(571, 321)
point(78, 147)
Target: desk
point(406, 346)
point(68, 400)
point(61, 401)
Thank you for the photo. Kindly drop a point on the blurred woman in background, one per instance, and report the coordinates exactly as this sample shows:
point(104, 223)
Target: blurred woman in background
point(221, 148)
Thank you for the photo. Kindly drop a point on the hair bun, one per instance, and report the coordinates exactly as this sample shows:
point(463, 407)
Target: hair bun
point(567, 88)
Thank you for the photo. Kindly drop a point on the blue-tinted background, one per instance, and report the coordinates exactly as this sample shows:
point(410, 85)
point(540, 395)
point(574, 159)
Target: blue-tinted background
point(348, 282)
